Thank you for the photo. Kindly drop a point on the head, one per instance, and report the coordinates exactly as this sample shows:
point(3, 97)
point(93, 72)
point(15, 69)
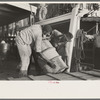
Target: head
point(69, 36)
point(47, 30)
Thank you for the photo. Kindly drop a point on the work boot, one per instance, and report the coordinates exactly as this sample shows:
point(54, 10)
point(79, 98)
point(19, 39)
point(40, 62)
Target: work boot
point(18, 67)
point(23, 73)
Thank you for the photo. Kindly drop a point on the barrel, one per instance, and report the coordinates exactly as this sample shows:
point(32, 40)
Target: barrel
point(46, 44)
point(50, 52)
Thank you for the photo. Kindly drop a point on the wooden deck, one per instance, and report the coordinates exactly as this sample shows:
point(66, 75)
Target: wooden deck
point(8, 72)
point(83, 75)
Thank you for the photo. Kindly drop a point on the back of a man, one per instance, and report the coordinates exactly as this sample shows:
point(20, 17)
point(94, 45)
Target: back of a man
point(24, 39)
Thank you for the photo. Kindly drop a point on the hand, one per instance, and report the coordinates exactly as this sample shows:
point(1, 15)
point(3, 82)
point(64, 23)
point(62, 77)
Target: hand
point(90, 36)
point(51, 64)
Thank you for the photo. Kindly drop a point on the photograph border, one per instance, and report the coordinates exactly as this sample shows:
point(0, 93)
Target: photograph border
point(69, 90)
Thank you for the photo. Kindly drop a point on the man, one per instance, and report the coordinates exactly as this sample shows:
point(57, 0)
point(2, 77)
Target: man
point(58, 40)
point(27, 39)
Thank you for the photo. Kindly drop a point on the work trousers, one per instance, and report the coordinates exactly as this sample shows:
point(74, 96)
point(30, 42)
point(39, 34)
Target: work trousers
point(25, 54)
point(97, 58)
point(37, 66)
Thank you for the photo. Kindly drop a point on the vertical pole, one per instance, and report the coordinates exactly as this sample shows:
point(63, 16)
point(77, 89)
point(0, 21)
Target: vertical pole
point(31, 16)
point(3, 32)
point(73, 28)
point(96, 28)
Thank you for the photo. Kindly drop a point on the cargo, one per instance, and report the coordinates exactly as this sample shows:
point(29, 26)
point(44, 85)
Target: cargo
point(51, 53)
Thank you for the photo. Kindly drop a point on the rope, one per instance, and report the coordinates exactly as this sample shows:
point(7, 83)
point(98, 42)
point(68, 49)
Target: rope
point(79, 49)
point(92, 28)
point(80, 37)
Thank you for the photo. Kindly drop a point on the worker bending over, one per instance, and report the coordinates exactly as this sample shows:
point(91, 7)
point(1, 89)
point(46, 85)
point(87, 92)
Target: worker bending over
point(27, 39)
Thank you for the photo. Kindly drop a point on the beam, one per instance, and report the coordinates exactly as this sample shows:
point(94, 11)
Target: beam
point(24, 6)
point(8, 9)
point(91, 19)
point(55, 19)
point(9, 19)
point(11, 15)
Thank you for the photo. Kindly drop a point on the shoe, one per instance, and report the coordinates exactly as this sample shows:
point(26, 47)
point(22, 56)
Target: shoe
point(18, 67)
point(22, 73)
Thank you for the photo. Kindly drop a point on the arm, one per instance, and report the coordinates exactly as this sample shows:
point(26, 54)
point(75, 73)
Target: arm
point(90, 36)
point(38, 44)
point(56, 33)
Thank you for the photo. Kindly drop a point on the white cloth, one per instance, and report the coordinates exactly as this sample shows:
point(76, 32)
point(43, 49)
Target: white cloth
point(32, 34)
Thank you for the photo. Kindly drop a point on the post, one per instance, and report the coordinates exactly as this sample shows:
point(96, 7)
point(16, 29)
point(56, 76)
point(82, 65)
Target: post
point(96, 28)
point(72, 29)
point(74, 26)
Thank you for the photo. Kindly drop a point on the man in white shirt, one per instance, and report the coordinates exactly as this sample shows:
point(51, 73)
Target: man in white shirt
point(27, 39)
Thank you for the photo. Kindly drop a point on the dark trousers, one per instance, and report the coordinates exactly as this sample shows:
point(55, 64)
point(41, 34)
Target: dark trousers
point(37, 66)
point(97, 58)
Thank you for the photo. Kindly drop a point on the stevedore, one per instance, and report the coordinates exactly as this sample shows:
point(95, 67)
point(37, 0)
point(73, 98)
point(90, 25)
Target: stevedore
point(58, 40)
point(31, 36)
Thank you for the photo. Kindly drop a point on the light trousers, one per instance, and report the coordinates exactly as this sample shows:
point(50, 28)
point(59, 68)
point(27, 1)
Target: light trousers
point(25, 54)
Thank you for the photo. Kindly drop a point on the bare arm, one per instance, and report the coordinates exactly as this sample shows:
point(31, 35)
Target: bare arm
point(90, 36)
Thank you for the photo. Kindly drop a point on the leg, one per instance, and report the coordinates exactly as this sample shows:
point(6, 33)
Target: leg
point(97, 58)
point(24, 52)
point(37, 67)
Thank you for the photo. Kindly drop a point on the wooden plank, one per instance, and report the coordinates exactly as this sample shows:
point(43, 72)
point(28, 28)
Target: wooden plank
point(57, 19)
point(24, 6)
point(3, 76)
point(42, 77)
point(97, 70)
point(96, 19)
point(92, 73)
point(63, 76)
point(83, 76)
point(77, 75)
point(16, 79)
point(10, 78)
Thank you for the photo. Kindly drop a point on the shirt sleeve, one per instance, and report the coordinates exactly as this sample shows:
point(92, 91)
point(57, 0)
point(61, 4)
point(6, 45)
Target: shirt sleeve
point(38, 43)
point(56, 32)
point(38, 40)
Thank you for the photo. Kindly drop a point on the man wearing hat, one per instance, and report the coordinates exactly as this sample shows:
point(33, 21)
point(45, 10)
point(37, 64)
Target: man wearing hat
point(58, 40)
